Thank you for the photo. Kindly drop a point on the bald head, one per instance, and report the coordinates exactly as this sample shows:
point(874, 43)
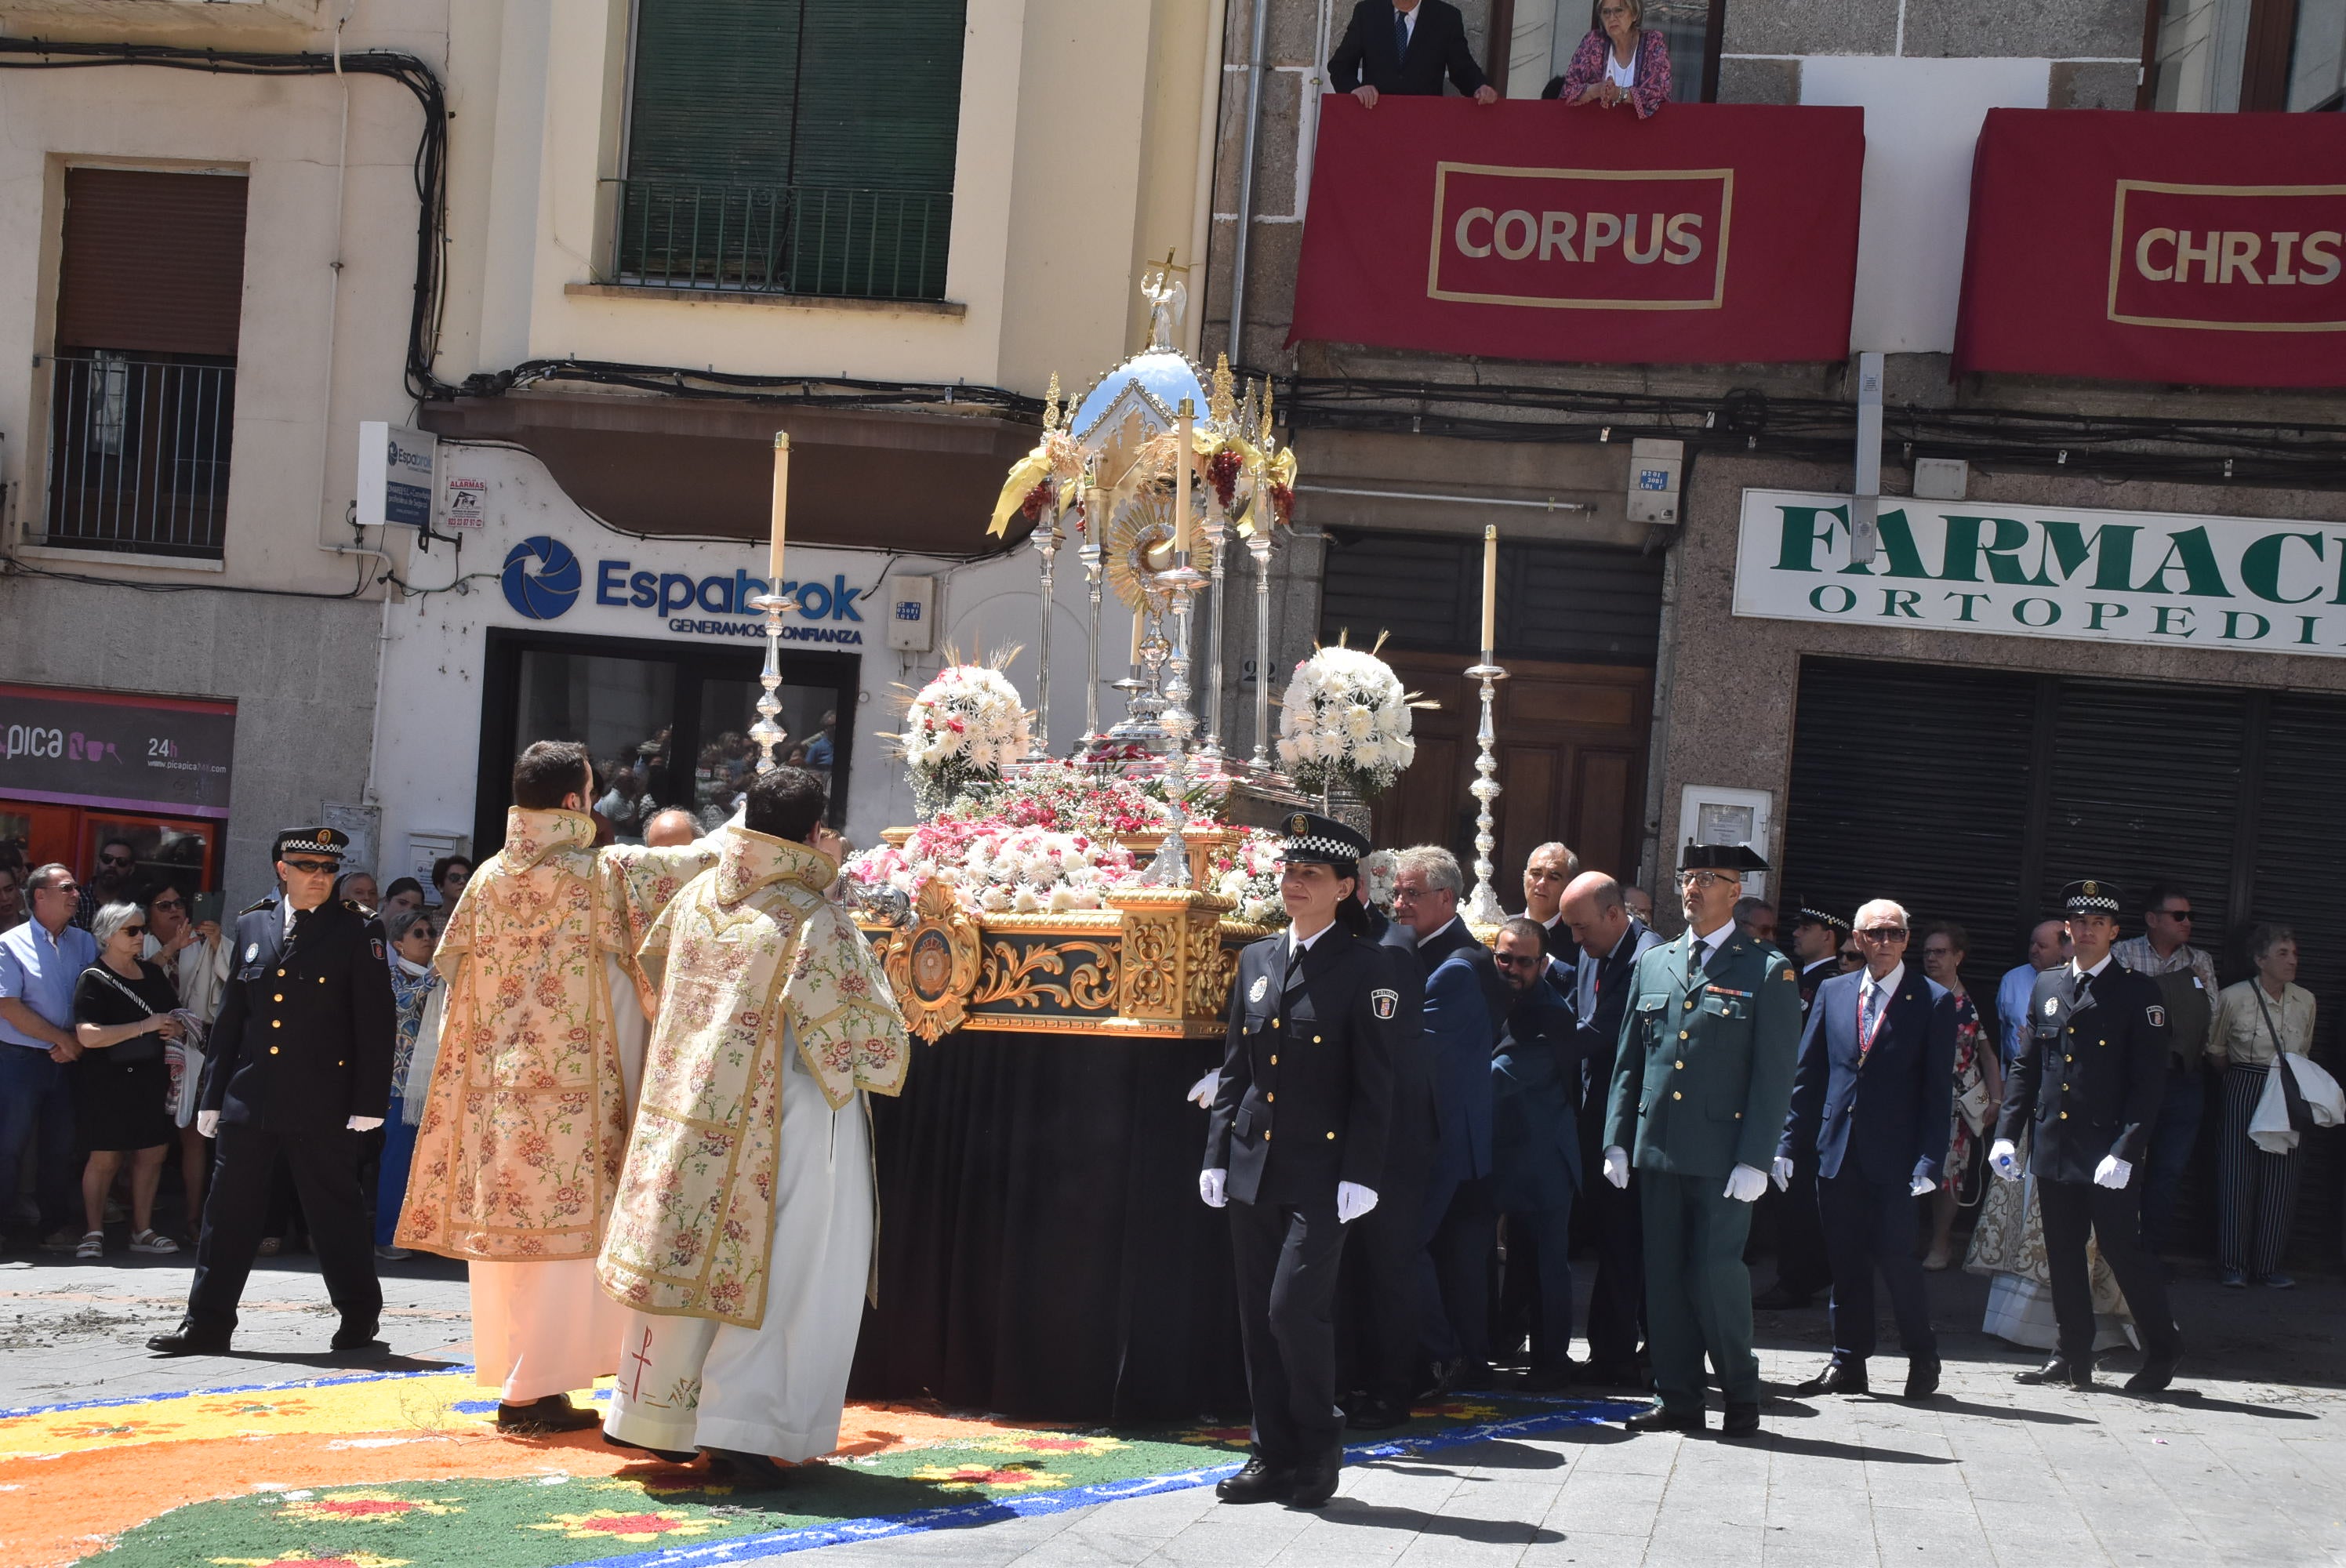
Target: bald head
point(2048, 945)
point(1596, 913)
point(671, 829)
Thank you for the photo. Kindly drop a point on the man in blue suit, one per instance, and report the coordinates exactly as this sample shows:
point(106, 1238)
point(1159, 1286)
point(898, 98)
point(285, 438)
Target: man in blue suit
point(1464, 1002)
point(1535, 1146)
point(1873, 1097)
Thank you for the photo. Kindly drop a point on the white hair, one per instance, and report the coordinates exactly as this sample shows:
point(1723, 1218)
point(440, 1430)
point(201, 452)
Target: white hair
point(1437, 865)
point(112, 918)
point(1880, 907)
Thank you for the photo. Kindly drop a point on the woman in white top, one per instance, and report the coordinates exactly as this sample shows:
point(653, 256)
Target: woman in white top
point(2256, 1192)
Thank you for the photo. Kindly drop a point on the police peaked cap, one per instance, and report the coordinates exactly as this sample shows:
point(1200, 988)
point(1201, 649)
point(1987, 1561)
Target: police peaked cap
point(1313, 840)
point(332, 841)
point(1808, 915)
point(1719, 858)
point(2092, 896)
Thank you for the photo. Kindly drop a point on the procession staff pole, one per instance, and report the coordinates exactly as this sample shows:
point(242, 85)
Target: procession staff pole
point(1482, 909)
point(766, 732)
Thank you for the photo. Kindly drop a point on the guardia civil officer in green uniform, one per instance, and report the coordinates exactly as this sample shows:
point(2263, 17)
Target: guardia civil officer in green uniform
point(1700, 1086)
point(1296, 1149)
point(297, 1066)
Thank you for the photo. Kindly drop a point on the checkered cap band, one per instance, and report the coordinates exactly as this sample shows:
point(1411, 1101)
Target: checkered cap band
point(1831, 922)
point(1315, 846)
point(2092, 903)
point(309, 846)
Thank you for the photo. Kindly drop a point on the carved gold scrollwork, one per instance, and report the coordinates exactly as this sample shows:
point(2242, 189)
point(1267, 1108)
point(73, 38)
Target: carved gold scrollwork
point(933, 963)
point(1014, 978)
point(1151, 956)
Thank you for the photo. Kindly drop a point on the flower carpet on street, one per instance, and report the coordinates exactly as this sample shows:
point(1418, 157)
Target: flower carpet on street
point(406, 1470)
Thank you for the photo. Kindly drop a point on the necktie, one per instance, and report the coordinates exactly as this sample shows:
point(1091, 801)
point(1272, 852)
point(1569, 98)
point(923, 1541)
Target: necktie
point(1868, 1018)
point(1694, 956)
point(1294, 976)
point(2079, 983)
point(1401, 35)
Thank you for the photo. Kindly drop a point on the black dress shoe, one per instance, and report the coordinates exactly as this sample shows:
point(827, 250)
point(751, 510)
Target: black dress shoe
point(1742, 1420)
point(754, 1472)
point(1662, 1419)
point(2057, 1372)
point(2156, 1374)
point(553, 1413)
point(187, 1340)
point(1258, 1482)
point(1613, 1375)
point(356, 1337)
point(1922, 1377)
point(674, 1456)
point(1375, 1415)
point(1315, 1480)
point(1838, 1378)
point(1780, 1298)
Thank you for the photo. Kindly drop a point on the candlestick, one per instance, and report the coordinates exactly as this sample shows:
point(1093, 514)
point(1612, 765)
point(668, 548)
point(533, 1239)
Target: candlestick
point(1139, 614)
point(1095, 525)
point(1217, 536)
point(1170, 868)
point(1490, 590)
point(781, 506)
point(1482, 909)
point(1038, 744)
point(768, 732)
point(1182, 425)
point(1258, 544)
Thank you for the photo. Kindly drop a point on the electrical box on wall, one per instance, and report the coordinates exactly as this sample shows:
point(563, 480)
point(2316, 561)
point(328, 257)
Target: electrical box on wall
point(911, 605)
point(1654, 467)
point(1719, 814)
point(1942, 478)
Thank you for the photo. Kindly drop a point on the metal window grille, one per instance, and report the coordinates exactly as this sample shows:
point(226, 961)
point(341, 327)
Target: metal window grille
point(844, 242)
point(138, 454)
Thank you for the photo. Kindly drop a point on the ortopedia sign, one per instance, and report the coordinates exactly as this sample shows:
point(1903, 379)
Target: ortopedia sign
point(2153, 579)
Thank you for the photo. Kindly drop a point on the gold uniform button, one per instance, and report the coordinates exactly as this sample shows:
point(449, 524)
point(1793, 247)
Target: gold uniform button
point(1274, 1061)
point(2064, 1116)
point(1274, 1023)
point(277, 1023)
point(272, 1050)
point(1689, 1005)
point(1682, 1033)
point(2068, 1058)
point(1266, 1136)
point(1739, 1116)
point(1332, 1138)
point(1676, 1096)
point(278, 997)
point(1269, 1099)
point(281, 975)
point(1315, 1040)
point(1679, 1067)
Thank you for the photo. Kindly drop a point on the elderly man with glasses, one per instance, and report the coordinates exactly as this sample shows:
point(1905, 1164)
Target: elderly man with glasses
point(1873, 1099)
point(2185, 977)
point(1699, 1088)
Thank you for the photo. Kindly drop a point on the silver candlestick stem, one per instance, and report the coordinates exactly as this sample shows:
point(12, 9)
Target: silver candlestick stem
point(1038, 744)
point(1217, 533)
point(766, 732)
point(1090, 553)
point(1260, 545)
point(1483, 908)
point(1170, 869)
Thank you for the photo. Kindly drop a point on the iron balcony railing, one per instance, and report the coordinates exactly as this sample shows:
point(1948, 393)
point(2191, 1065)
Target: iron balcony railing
point(838, 241)
point(138, 454)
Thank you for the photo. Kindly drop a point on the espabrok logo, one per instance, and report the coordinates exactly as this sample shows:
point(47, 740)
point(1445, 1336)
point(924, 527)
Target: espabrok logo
point(541, 577)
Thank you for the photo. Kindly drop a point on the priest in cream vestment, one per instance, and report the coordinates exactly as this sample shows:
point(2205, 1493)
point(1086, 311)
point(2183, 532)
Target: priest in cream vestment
point(744, 1234)
point(541, 1048)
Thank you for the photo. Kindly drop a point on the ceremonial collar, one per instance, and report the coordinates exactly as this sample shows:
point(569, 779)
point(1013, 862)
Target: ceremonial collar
point(533, 837)
point(753, 860)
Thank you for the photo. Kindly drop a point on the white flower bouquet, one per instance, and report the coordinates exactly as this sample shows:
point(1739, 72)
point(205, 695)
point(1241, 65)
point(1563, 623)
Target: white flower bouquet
point(1247, 875)
point(999, 869)
point(960, 729)
point(1344, 723)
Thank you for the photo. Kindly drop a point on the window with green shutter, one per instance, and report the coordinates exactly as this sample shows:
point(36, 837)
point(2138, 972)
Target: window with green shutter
point(804, 147)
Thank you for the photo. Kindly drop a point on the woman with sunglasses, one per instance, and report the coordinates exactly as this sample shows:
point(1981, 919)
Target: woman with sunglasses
point(123, 1008)
point(416, 988)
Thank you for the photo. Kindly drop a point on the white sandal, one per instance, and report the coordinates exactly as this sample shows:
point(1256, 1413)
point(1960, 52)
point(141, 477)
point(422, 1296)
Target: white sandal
point(93, 1245)
point(152, 1241)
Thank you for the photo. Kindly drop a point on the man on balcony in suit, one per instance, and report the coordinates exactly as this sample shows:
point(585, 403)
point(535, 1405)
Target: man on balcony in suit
point(1406, 46)
point(1873, 1098)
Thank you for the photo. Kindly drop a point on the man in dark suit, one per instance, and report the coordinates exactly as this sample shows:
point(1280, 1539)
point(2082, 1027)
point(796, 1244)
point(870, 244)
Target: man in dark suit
point(2085, 1090)
point(1871, 1102)
point(1319, 998)
point(1535, 1150)
point(1464, 1002)
point(1609, 939)
point(1789, 1216)
point(1547, 871)
point(1817, 936)
point(1406, 46)
point(298, 1064)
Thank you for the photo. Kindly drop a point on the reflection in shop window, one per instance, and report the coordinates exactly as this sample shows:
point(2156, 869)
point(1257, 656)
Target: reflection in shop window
point(2220, 56)
point(1545, 34)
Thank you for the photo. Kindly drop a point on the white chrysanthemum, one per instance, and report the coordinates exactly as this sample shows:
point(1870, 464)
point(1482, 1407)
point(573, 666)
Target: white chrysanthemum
point(994, 898)
point(1023, 901)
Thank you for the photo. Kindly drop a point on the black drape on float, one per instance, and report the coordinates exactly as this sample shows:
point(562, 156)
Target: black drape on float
point(1043, 1252)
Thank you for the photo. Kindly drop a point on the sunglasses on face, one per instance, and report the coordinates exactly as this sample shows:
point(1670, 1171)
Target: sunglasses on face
point(1514, 959)
point(1884, 933)
point(116, 860)
point(312, 868)
point(134, 930)
point(168, 904)
point(2174, 914)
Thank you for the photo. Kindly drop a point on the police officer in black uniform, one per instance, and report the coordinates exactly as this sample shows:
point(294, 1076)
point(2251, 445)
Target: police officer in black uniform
point(298, 1064)
point(2085, 1090)
point(1313, 1016)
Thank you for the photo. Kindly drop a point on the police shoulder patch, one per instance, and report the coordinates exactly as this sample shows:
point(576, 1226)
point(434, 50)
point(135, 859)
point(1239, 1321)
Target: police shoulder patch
point(1260, 988)
point(2156, 1015)
point(1790, 976)
point(1385, 1002)
point(377, 945)
point(2052, 1005)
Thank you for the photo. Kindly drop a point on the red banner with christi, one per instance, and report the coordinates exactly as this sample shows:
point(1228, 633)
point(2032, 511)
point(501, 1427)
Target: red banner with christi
point(2205, 249)
point(1528, 230)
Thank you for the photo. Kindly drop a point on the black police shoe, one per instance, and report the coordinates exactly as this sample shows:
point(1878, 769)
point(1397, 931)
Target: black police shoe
point(356, 1337)
point(1742, 1420)
point(188, 1339)
point(1315, 1479)
point(1922, 1377)
point(1662, 1419)
point(2057, 1372)
point(674, 1456)
point(2156, 1374)
point(1838, 1378)
point(1258, 1482)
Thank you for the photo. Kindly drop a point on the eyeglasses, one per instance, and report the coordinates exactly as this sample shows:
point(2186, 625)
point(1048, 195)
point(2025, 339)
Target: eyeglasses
point(132, 930)
point(2174, 914)
point(167, 904)
point(1707, 879)
point(1884, 933)
point(117, 860)
point(311, 868)
point(1513, 959)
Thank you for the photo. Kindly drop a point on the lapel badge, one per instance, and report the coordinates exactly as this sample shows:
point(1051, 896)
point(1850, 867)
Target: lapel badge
point(1262, 988)
point(1385, 1002)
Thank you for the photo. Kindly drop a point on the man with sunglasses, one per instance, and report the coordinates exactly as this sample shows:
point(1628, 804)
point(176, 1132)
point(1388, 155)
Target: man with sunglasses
point(1871, 1103)
point(2185, 977)
point(118, 869)
point(1700, 1090)
point(297, 1066)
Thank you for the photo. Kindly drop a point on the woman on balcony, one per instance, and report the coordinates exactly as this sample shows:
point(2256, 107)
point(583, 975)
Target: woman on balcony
point(1620, 61)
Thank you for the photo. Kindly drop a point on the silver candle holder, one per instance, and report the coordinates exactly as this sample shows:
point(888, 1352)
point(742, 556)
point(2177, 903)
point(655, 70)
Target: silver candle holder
point(1217, 531)
point(1170, 868)
point(767, 732)
point(1038, 743)
point(1483, 908)
point(1091, 555)
point(1258, 546)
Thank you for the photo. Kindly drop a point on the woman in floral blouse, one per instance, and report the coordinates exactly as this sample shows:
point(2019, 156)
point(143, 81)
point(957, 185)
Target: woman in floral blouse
point(1620, 61)
point(1977, 1079)
point(415, 986)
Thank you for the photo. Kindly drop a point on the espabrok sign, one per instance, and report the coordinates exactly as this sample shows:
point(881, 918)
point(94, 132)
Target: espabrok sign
point(2149, 577)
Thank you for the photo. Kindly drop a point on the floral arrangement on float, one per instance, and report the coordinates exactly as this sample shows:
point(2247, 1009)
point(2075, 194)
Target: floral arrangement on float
point(961, 729)
point(996, 869)
point(1344, 723)
point(1246, 873)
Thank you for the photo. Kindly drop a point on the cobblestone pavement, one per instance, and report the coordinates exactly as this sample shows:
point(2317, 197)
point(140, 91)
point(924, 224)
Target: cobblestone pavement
point(2246, 1464)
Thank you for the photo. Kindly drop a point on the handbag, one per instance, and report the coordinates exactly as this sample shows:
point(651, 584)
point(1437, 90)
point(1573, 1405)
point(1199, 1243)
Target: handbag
point(140, 1049)
point(1977, 1108)
point(2300, 1118)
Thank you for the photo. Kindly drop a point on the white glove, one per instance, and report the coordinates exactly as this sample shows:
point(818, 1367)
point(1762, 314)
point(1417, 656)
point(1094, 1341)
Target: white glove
point(1202, 1092)
point(1210, 1188)
point(1922, 1187)
point(1745, 1185)
point(208, 1123)
point(2004, 1158)
point(363, 1123)
point(2112, 1172)
point(1616, 1166)
point(1782, 1171)
point(1352, 1200)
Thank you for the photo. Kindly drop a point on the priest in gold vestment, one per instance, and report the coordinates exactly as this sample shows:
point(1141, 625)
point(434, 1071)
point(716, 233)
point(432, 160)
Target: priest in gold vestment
point(541, 1049)
point(742, 1237)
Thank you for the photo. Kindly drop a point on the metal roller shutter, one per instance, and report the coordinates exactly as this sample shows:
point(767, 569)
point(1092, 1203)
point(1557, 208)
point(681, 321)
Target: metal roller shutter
point(1574, 604)
point(152, 263)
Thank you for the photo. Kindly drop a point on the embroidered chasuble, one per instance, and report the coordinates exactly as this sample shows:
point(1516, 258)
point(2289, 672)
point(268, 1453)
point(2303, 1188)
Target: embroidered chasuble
point(517, 1155)
point(747, 945)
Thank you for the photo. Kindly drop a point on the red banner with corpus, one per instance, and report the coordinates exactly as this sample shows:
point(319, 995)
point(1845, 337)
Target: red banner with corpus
point(1528, 230)
point(2204, 248)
